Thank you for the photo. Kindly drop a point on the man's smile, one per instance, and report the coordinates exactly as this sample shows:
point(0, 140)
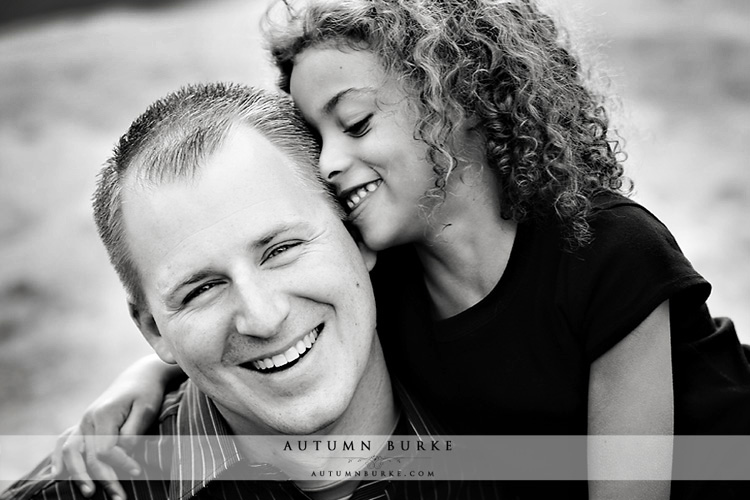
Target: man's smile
point(287, 358)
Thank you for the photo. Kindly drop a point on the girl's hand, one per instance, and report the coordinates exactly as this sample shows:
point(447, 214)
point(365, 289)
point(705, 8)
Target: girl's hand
point(70, 452)
point(101, 443)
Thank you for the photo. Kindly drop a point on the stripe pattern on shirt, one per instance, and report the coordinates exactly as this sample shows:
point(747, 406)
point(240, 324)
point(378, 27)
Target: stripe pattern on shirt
point(195, 464)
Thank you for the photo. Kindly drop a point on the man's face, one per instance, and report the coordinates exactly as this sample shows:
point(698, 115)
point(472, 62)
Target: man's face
point(256, 289)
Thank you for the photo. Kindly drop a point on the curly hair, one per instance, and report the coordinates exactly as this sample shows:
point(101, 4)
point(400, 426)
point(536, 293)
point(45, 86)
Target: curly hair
point(501, 63)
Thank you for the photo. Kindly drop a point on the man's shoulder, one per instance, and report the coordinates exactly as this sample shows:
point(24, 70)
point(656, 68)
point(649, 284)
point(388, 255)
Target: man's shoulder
point(35, 485)
point(42, 483)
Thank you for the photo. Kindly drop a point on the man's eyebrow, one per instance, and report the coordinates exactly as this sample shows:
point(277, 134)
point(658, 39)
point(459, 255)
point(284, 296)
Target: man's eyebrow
point(258, 242)
point(267, 237)
point(334, 101)
point(171, 295)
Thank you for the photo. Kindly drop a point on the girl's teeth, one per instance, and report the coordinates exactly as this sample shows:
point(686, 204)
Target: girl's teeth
point(361, 193)
point(306, 340)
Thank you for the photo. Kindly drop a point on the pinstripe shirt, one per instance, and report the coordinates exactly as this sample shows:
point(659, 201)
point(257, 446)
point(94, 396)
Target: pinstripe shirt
point(213, 467)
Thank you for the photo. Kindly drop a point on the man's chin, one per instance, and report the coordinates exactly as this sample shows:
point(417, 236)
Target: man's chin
point(311, 422)
point(297, 420)
point(310, 428)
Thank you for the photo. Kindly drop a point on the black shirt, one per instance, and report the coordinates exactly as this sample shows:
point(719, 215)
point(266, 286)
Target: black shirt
point(518, 361)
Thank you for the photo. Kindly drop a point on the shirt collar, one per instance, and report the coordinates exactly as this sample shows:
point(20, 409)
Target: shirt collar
point(420, 422)
point(204, 448)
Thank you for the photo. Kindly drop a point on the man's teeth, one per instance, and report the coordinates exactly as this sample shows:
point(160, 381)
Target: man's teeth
point(293, 353)
point(356, 197)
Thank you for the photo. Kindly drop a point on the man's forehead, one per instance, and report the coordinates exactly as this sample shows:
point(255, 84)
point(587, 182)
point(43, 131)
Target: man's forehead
point(245, 161)
point(247, 171)
point(248, 182)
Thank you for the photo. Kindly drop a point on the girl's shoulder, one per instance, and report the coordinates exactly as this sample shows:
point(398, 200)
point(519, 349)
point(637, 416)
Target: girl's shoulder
point(632, 264)
point(621, 224)
point(618, 205)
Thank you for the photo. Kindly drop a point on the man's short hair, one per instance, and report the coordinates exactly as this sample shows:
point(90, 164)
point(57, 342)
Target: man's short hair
point(176, 135)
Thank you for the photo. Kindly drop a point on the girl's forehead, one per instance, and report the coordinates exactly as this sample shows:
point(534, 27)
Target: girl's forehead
point(324, 77)
point(340, 53)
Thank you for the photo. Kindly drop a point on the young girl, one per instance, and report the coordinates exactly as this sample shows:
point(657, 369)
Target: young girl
point(518, 291)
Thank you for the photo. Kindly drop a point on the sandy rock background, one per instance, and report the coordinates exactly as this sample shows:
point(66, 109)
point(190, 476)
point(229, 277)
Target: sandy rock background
point(74, 74)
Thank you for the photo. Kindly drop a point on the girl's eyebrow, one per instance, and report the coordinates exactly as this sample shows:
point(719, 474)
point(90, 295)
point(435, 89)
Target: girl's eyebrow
point(334, 101)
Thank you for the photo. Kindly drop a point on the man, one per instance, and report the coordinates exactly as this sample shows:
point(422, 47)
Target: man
point(239, 270)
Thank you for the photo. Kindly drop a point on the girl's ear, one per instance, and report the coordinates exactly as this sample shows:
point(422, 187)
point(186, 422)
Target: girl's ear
point(150, 331)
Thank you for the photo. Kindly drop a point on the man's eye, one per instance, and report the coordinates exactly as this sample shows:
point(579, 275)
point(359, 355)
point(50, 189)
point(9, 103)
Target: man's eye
point(195, 292)
point(280, 249)
point(360, 128)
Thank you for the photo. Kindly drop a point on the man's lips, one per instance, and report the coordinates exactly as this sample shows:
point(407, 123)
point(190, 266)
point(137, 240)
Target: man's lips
point(351, 198)
point(287, 358)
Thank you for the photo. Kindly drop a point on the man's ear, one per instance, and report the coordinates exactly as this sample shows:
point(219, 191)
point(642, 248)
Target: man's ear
point(150, 331)
point(368, 255)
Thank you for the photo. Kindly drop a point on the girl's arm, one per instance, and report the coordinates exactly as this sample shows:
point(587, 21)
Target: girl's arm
point(630, 394)
point(111, 425)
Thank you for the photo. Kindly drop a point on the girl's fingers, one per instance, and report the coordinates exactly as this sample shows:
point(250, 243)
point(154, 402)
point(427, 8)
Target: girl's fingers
point(56, 458)
point(118, 458)
point(72, 456)
point(107, 477)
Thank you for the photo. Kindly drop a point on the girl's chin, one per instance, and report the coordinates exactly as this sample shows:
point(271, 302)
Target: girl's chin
point(377, 235)
point(378, 242)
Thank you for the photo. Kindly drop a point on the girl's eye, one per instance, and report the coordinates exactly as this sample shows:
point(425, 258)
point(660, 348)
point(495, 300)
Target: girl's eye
point(195, 292)
point(280, 249)
point(360, 128)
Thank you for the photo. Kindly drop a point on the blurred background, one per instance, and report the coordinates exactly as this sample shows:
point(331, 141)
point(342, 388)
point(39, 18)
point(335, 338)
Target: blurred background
point(74, 73)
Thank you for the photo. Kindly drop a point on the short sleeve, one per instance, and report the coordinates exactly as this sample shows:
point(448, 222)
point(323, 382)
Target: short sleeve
point(633, 265)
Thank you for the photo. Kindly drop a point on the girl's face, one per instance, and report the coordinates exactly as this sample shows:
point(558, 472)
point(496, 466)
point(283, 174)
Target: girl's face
point(380, 172)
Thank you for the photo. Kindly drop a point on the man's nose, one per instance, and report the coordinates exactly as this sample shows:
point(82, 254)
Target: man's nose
point(334, 159)
point(260, 310)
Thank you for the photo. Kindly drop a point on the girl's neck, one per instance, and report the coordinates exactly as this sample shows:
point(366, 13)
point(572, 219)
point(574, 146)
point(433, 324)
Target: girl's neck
point(466, 253)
